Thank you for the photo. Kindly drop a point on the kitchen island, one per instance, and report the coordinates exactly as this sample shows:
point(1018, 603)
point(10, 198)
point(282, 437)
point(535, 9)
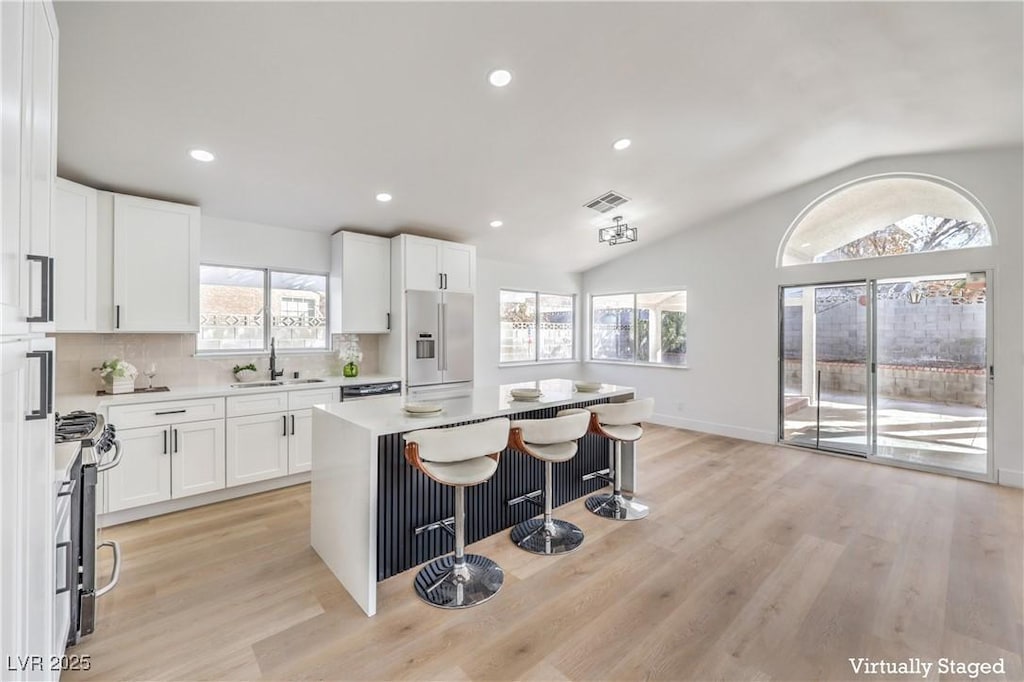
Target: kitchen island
point(370, 507)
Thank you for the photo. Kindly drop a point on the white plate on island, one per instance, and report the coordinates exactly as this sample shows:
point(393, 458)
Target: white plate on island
point(526, 394)
point(588, 386)
point(419, 409)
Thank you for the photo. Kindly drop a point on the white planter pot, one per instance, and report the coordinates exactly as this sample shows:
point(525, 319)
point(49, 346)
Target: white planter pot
point(121, 385)
point(246, 375)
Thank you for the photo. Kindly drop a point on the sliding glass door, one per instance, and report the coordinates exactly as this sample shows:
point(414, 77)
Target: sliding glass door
point(824, 368)
point(893, 369)
point(932, 372)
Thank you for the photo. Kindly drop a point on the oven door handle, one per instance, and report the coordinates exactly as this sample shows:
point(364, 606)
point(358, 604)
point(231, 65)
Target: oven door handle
point(113, 462)
point(115, 573)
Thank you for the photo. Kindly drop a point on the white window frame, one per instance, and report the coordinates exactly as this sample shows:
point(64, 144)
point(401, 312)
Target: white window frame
point(536, 349)
point(267, 273)
point(633, 362)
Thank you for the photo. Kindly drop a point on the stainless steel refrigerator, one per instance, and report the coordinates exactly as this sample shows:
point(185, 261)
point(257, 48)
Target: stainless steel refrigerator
point(439, 325)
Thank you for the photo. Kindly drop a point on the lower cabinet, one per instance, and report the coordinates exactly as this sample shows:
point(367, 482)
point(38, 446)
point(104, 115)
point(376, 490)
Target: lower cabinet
point(257, 447)
point(197, 462)
point(300, 443)
point(167, 462)
point(262, 446)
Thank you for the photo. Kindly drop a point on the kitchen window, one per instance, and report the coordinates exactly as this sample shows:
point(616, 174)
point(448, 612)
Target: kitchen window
point(240, 309)
point(536, 327)
point(641, 328)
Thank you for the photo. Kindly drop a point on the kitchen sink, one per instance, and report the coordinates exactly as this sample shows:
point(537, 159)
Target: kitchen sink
point(270, 384)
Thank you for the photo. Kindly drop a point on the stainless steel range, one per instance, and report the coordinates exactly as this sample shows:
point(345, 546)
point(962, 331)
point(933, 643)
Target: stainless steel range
point(96, 441)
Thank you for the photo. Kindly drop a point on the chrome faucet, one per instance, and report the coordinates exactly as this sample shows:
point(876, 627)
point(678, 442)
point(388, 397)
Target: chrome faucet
point(274, 371)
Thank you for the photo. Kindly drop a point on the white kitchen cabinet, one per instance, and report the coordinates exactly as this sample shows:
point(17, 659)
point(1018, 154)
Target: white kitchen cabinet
point(76, 232)
point(360, 284)
point(257, 448)
point(197, 458)
point(156, 266)
point(29, 135)
point(144, 474)
point(300, 441)
point(434, 264)
point(300, 425)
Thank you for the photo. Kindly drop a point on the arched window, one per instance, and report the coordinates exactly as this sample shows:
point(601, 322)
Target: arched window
point(886, 215)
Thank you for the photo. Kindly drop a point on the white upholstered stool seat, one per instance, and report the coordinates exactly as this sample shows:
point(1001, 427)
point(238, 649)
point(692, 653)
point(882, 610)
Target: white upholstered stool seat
point(459, 456)
point(551, 441)
point(620, 423)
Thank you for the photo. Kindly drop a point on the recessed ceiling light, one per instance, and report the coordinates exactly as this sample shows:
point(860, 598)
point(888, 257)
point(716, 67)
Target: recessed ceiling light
point(201, 155)
point(499, 78)
point(624, 143)
point(383, 197)
point(496, 224)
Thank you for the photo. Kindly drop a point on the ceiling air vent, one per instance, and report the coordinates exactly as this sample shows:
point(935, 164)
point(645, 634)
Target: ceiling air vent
point(606, 202)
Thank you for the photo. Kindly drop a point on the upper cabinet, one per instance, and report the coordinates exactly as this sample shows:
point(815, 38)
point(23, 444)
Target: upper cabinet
point(29, 144)
point(156, 266)
point(435, 264)
point(75, 236)
point(360, 296)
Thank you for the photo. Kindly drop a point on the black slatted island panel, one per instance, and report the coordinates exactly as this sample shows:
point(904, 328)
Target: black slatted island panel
point(407, 499)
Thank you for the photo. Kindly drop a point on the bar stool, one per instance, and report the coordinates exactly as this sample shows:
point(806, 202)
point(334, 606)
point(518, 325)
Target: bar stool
point(550, 441)
point(619, 422)
point(460, 456)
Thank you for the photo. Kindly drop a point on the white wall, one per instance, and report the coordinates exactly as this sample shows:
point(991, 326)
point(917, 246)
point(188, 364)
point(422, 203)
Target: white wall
point(234, 242)
point(493, 276)
point(728, 265)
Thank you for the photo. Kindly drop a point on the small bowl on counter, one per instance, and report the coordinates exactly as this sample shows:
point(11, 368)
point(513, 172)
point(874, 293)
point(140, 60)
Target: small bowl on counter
point(588, 386)
point(526, 394)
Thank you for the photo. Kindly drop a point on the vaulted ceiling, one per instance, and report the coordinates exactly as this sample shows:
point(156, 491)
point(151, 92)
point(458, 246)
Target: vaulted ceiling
point(314, 108)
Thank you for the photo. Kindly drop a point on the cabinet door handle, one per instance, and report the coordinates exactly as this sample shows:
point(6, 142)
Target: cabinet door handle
point(68, 574)
point(165, 440)
point(45, 358)
point(45, 277)
point(117, 317)
point(389, 321)
point(445, 275)
point(160, 414)
point(284, 425)
point(175, 432)
point(293, 424)
point(440, 281)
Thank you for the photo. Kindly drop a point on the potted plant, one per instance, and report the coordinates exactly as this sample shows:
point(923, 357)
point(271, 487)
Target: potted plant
point(118, 375)
point(245, 373)
point(351, 355)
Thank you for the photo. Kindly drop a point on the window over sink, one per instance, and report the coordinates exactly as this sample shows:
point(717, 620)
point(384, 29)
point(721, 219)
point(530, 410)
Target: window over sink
point(240, 309)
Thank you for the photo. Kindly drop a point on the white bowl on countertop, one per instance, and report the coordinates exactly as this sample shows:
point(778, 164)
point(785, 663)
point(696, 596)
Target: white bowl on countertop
point(588, 386)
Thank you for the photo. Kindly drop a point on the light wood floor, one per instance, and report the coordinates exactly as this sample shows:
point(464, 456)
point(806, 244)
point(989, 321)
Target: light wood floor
point(757, 562)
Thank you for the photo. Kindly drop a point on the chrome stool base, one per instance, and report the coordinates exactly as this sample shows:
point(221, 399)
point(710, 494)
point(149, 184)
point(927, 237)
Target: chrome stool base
point(618, 507)
point(440, 583)
point(561, 537)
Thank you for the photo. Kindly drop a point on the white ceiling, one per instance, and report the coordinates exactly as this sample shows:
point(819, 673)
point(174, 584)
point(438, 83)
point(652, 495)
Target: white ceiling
point(313, 108)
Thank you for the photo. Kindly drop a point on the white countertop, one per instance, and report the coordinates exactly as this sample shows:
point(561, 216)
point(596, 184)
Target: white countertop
point(185, 393)
point(385, 415)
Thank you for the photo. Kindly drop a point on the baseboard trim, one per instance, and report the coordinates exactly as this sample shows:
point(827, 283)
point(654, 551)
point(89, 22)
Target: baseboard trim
point(1011, 478)
point(169, 507)
point(729, 430)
